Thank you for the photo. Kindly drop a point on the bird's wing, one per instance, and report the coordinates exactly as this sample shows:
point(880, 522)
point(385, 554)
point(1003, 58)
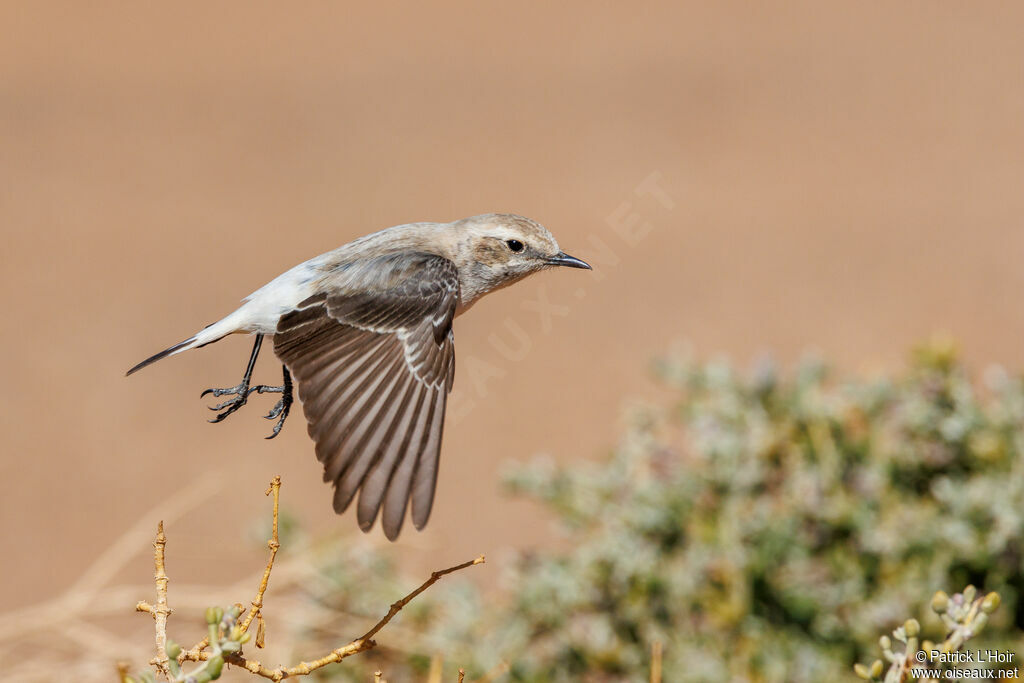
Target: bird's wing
point(374, 368)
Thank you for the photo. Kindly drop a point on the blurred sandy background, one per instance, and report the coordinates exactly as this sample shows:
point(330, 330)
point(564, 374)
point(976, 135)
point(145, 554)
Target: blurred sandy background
point(847, 180)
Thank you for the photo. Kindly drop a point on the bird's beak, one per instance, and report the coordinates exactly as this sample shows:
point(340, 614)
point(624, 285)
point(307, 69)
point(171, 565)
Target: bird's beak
point(563, 259)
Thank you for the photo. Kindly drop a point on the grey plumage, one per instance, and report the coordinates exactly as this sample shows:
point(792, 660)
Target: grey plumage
point(366, 332)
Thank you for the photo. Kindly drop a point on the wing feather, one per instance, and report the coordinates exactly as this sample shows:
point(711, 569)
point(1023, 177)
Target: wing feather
point(352, 401)
point(425, 476)
point(376, 485)
point(375, 417)
point(373, 367)
point(350, 480)
point(397, 494)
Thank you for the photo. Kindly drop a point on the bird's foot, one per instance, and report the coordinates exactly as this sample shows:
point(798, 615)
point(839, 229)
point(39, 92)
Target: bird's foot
point(280, 410)
point(242, 391)
point(241, 395)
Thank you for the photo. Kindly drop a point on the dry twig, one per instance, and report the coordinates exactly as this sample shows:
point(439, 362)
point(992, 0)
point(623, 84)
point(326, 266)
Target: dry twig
point(161, 611)
point(361, 644)
point(195, 653)
point(274, 543)
point(227, 636)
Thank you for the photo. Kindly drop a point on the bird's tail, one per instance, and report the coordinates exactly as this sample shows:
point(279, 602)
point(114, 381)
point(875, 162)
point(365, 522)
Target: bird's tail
point(177, 348)
point(207, 335)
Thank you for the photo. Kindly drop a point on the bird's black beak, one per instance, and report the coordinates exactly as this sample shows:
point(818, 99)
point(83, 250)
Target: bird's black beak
point(563, 259)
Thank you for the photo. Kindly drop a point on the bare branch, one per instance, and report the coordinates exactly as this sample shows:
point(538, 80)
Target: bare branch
point(223, 643)
point(434, 577)
point(195, 653)
point(358, 645)
point(161, 611)
point(273, 544)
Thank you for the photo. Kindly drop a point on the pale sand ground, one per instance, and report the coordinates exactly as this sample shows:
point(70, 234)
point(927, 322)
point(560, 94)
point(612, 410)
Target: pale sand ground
point(843, 180)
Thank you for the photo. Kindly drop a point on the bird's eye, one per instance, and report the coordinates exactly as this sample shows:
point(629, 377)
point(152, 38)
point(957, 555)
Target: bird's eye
point(514, 245)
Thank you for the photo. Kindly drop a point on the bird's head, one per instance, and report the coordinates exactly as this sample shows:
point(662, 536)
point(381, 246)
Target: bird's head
point(498, 249)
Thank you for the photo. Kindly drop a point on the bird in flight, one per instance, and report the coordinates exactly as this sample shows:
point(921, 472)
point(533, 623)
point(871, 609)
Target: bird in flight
point(365, 332)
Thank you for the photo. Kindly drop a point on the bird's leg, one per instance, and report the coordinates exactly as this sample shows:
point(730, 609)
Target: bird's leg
point(240, 391)
point(281, 408)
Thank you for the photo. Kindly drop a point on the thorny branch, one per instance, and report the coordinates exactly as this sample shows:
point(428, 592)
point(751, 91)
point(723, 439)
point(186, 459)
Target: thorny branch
point(226, 635)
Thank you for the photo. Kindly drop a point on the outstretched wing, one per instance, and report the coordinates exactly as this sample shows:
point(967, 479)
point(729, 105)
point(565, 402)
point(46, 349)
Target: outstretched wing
point(374, 366)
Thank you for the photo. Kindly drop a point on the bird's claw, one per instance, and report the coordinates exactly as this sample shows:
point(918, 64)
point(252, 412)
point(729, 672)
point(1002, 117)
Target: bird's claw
point(275, 411)
point(279, 412)
point(241, 395)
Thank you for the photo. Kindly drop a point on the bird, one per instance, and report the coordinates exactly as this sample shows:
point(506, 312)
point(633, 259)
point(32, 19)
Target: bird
point(365, 333)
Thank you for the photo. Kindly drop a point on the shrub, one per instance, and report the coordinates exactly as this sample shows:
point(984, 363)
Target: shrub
point(762, 528)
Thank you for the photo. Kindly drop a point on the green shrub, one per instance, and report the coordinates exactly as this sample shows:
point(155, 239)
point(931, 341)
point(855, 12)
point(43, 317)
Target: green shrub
point(762, 528)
